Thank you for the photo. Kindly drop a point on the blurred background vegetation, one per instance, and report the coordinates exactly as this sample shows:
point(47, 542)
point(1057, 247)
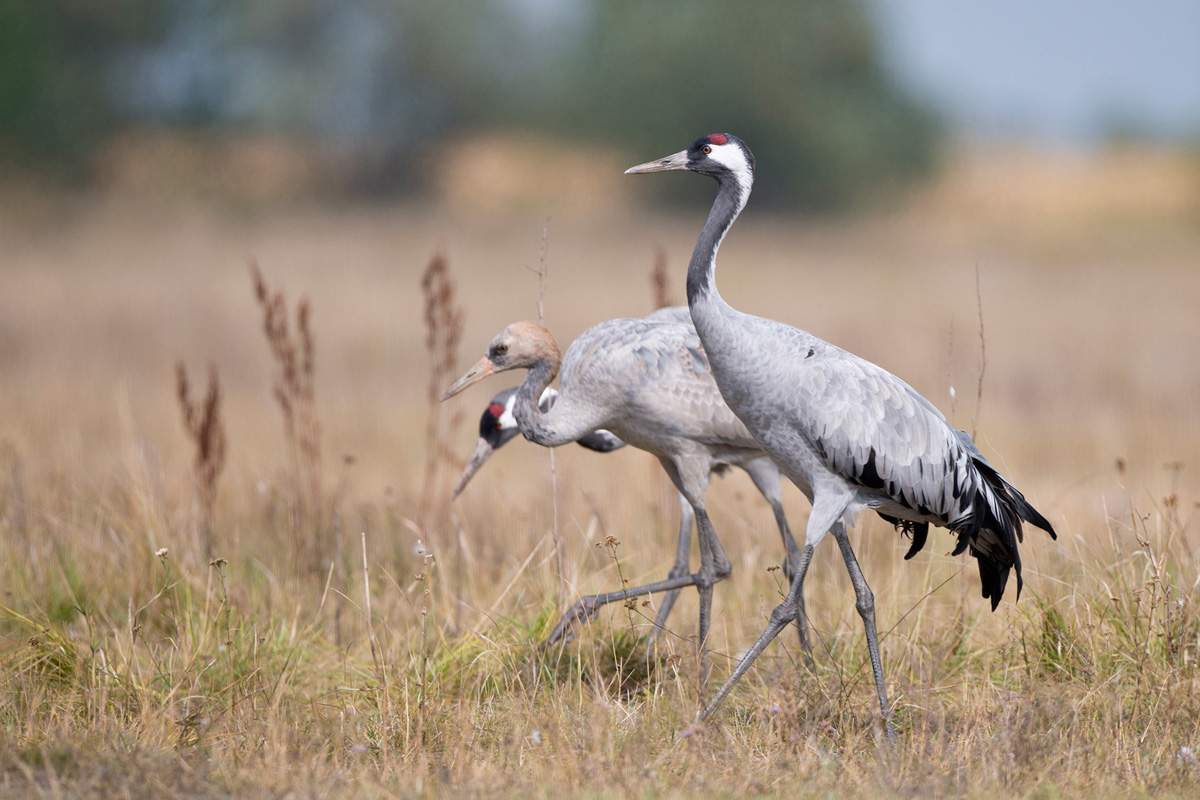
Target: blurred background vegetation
point(537, 104)
point(371, 87)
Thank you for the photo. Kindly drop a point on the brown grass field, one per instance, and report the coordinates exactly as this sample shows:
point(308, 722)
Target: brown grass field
point(297, 664)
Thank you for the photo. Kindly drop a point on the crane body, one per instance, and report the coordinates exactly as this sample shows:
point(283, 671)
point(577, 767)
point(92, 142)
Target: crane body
point(848, 433)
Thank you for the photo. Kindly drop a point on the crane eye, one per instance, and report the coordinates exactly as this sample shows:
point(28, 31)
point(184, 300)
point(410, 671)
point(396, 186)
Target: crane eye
point(706, 149)
point(501, 349)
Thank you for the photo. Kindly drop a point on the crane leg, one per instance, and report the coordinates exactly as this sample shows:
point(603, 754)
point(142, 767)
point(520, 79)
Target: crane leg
point(782, 616)
point(766, 477)
point(865, 603)
point(690, 477)
point(790, 570)
point(681, 568)
point(690, 473)
point(586, 607)
point(827, 510)
point(714, 567)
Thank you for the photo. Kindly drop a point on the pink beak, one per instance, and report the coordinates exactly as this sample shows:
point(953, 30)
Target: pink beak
point(481, 370)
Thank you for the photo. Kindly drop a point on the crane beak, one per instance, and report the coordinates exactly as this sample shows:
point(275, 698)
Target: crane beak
point(481, 370)
point(483, 451)
point(676, 161)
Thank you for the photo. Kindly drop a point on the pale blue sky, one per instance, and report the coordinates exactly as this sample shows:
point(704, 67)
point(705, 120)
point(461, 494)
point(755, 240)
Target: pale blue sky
point(1057, 70)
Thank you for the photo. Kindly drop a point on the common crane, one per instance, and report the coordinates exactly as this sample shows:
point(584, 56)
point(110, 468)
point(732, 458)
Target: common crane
point(848, 433)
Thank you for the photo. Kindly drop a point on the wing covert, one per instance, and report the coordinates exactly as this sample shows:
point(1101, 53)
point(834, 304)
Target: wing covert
point(873, 429)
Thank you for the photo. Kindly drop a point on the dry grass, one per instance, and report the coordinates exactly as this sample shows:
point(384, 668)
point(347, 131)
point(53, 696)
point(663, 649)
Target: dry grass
point(203, 426)
point(295, 394)
point(443, 333)
point(1053, 188)
point(133, 667)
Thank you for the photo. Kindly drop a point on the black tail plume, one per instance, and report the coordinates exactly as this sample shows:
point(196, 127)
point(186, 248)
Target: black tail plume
point(992, 531)
point(994, 578)
point(1028, 512)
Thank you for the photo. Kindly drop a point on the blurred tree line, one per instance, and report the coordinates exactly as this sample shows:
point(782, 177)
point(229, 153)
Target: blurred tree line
point(383, 80)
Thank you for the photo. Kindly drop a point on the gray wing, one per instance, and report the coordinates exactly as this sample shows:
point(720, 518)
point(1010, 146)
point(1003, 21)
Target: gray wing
point(876, 431)
point(655, 378)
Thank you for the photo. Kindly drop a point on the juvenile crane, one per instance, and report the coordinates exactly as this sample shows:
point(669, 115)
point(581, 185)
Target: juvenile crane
point(498, 426)
point(647, 382)
point(848, 433)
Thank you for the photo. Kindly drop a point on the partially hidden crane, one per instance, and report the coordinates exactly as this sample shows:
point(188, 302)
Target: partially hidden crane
point(848, 433)
point(498, 426)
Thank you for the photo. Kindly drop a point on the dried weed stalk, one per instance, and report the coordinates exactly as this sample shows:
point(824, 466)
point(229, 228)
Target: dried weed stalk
point(543, 274)
point(205, 429)
point(659, 280)
point(294, 392)
point(443, 332)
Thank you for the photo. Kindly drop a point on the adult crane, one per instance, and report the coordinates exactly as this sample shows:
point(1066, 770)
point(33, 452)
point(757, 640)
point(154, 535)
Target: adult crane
point(848, 433)
point(648, 382)
point(498, 426)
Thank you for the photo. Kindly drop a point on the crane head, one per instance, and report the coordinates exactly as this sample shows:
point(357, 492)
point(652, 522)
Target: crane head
point(718, 155)
point(498, 427)
point(520, 345)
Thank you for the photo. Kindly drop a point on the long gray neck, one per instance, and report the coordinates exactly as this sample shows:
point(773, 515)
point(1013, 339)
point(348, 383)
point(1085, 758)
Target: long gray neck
point(531, 419)
point(701, 279)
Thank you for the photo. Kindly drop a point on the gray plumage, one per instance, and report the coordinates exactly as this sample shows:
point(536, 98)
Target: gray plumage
point(844, 420)
point(648, 383)
point(850, 434)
